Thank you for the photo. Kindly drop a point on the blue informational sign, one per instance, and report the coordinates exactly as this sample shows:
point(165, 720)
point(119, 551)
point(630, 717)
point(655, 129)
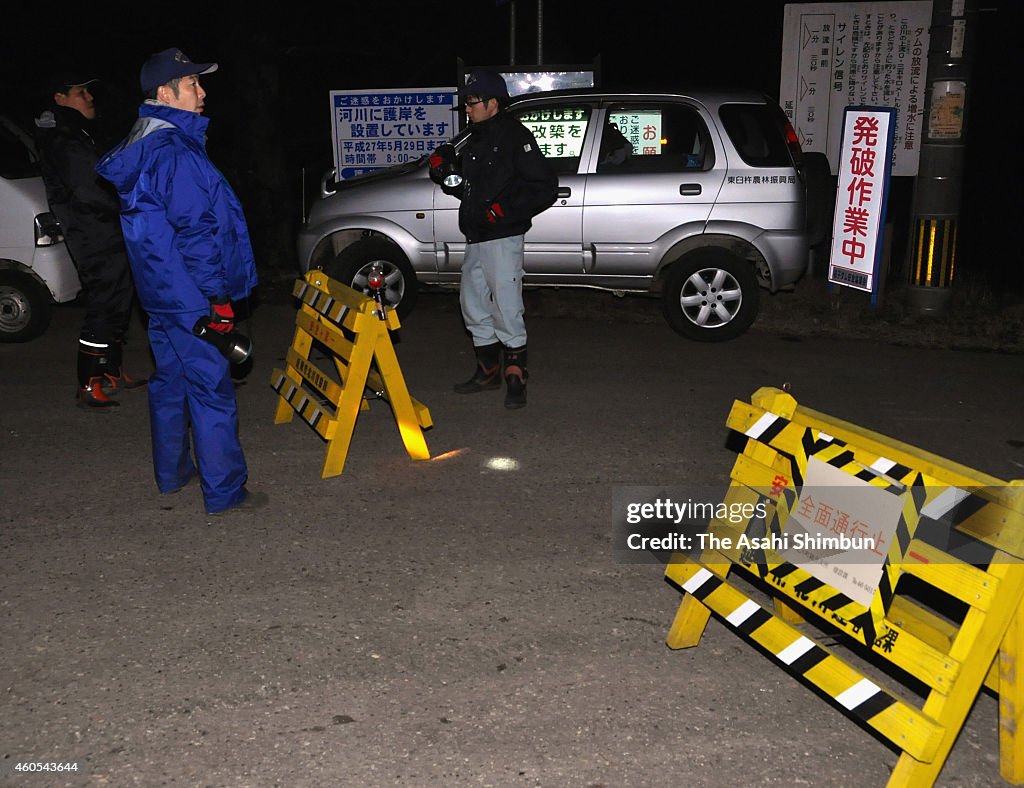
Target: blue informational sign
point(374, 129)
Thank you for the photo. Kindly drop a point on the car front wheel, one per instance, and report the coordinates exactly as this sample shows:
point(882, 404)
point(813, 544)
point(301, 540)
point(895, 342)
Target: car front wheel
point(24, 307)
point(710, 296)
point(352, 266)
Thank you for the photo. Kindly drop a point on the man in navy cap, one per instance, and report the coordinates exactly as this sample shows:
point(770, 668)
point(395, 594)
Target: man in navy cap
point(190, 252)
point(88, 212)
point(506, 182)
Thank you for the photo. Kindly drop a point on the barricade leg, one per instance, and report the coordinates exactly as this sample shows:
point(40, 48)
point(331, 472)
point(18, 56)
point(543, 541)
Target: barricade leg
point(1011, 701)
point(401, 402)
point(692, 616)
point(302, 343)
point(689, 624)
point(980, 637)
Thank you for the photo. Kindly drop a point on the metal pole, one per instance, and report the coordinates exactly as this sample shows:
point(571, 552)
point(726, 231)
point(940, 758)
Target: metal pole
point(540, 32)
point(512, 33)
point(938, 189)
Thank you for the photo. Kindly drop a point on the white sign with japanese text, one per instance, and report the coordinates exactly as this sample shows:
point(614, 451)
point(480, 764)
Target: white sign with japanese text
point(836, 55)
point(834, 509)
point(863, 184)
point(374, 129)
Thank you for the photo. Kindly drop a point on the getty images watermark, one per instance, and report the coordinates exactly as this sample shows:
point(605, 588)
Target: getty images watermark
point(650, 523)
point(825, 524)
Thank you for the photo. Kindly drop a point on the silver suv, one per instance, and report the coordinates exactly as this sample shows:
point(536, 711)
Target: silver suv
point(701, 197)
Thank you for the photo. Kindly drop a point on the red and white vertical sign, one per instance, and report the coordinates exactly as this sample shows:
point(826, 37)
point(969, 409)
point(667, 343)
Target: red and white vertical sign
point(865, 165)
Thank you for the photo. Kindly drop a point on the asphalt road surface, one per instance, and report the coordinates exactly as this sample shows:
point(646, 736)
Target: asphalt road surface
point(459, 621)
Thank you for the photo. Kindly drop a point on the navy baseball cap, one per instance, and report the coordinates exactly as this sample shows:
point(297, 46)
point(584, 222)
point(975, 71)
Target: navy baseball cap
point(485, 84)
point(65, 80)
point(170, 64)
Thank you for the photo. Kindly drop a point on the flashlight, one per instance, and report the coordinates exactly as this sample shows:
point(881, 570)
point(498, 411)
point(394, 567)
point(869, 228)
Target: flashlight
point(235, 347)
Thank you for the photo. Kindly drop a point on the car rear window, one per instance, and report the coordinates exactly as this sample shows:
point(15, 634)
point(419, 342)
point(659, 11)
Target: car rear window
point(755, 132)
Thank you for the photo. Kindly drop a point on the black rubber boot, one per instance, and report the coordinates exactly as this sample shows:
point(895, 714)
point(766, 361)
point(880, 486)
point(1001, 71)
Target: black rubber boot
point(487, 375)
point(515, 377)
point(92, 361)
point(115, 375)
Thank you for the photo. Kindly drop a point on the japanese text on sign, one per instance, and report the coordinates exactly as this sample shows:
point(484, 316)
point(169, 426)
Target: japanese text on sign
point(864, 169)
point(373, 129)
point(865, 53)
point(841, 530)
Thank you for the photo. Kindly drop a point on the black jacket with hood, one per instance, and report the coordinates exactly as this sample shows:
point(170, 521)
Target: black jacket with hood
point(86, 205)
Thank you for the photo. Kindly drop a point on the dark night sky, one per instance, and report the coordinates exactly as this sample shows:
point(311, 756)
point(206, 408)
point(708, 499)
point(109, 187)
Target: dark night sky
point(316, 47)
point(304, 49)
point(282, 61)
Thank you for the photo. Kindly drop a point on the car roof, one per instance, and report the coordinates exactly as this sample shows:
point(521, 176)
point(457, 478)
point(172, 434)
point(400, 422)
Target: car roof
point(704, 96)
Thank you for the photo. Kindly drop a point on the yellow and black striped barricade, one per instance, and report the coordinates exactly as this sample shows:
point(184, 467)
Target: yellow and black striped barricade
point(945, 610)
point(347, 325)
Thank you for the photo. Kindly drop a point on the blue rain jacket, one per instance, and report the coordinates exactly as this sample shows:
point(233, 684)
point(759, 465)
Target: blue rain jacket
point(183, 225)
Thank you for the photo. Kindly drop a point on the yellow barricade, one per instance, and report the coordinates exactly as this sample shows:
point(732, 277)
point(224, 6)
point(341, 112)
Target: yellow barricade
point(948, 607)
point(346, 323)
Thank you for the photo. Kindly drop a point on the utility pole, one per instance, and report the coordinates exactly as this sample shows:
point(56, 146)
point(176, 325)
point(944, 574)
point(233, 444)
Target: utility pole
point(938, 188)
point(540, 32)
point(512, 33)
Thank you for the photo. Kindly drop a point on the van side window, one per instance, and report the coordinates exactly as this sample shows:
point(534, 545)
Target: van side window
point(559, 132)
point(663, 137)
point(16, 161)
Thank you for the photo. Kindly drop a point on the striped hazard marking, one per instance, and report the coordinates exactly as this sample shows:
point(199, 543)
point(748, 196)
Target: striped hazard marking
point(939, 508)
point(322, 302)
point(904, 725)
point(301, 403)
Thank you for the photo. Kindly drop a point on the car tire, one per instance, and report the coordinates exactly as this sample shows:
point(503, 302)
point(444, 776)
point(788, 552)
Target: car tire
point(710, 296)
point(353, 264)
point(25, 307)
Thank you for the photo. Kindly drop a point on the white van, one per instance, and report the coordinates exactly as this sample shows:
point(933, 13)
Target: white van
point(35, 267)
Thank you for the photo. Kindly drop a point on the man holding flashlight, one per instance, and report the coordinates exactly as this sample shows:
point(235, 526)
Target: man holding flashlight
point(189, 248)
point(506, 182)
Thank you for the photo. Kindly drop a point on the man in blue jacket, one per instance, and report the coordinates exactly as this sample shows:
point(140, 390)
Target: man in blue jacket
point(190, 253)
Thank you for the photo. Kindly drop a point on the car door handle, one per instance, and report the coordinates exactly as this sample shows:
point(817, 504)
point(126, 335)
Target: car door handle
point(688, 189)
point(563, 192)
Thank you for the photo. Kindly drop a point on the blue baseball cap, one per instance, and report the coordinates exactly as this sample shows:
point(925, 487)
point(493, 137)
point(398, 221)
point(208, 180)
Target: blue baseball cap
point(170, 64)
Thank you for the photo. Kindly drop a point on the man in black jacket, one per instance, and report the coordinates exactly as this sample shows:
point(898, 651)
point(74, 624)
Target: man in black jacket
point(89, 213)
point(506, 182)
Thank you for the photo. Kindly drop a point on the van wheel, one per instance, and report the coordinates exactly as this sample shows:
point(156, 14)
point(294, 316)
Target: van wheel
point(353, 265)
point(710, 296)
point(25, 307)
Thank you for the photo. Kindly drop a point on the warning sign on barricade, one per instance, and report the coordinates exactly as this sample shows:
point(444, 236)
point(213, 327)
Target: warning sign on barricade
point(353, 331)
point(918, 561)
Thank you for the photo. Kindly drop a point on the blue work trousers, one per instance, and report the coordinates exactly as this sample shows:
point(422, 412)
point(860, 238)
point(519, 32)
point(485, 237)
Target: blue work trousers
point(491, 293)
point(192, 406)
